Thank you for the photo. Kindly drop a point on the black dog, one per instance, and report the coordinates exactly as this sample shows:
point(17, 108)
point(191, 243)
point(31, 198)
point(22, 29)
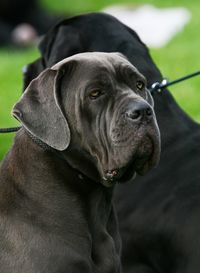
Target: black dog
point(56, 183)
point(158, 213)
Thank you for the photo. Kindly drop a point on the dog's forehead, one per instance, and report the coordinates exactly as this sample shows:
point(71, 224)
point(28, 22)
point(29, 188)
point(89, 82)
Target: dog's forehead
point(98, 59)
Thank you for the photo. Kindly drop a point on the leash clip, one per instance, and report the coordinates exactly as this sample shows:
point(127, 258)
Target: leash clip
point(158, 86)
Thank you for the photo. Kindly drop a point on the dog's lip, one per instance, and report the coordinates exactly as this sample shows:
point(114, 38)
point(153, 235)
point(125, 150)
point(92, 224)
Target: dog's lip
point(125, 174)
point(128, 174)
point(110, 177)
point(137, 165)
point(119, 175)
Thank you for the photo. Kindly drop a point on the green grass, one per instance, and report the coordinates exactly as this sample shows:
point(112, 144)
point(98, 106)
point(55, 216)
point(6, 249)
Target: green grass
point(176, 59)
point(11, 88)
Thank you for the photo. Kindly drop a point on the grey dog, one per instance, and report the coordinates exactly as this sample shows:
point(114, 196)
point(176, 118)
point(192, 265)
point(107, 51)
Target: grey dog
point(88, 122)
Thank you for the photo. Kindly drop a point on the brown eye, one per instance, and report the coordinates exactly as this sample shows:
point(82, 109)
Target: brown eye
point(95, 94)
point(140, 85)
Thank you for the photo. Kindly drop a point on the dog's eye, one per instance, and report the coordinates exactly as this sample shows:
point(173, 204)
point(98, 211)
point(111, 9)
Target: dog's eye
point(95, 94)
point(140, 85)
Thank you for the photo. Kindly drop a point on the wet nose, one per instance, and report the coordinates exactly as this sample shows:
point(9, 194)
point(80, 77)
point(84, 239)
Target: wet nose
point(139, 110)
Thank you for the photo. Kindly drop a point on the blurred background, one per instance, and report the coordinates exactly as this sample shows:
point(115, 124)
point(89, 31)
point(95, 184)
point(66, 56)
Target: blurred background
point(176, 58)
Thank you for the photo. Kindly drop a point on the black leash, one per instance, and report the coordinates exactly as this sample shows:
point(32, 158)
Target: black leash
point(156, 87)
point(159, 86)
point(9, 130)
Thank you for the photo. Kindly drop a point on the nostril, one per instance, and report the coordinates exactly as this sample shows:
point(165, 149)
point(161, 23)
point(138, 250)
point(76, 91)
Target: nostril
point(139, 110)
point(134, 114)
point(149, 112)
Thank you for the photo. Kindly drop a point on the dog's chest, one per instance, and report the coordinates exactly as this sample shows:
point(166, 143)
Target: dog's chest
point(34, 251)
point(105, 254)
point(42, 252)
point(86, 248)
point(105, 239)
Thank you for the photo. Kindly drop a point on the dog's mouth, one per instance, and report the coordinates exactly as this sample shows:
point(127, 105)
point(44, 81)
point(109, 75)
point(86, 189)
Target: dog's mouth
point(120, 175)
point(140, 164)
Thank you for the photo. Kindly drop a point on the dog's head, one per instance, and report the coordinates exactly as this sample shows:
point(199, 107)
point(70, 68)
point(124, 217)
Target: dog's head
point(88, 33)
point(95, 109)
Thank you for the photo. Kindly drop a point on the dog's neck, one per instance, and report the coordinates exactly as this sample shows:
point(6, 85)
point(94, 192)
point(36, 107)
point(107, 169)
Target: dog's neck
point(48, 193)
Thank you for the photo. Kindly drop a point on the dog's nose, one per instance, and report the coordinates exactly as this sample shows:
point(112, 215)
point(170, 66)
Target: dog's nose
point(139, 110)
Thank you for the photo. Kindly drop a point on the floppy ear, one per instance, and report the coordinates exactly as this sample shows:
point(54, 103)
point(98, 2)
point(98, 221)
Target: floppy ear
point(40, 113)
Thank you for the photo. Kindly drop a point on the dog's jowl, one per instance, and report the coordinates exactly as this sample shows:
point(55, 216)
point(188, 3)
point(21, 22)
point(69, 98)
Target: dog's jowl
point(87, 123)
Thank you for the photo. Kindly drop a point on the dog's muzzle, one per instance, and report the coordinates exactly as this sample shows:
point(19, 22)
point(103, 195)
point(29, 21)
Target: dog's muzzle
point(136, 143)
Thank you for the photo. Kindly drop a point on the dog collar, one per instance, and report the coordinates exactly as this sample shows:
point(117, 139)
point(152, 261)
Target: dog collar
point(39, 142)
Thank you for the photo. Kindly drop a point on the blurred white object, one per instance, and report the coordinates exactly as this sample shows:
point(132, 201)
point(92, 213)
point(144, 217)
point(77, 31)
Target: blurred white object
point(156, 27)
point(24, 35)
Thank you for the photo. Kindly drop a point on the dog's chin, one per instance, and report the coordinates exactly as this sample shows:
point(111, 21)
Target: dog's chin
point(137, 166)
point(140, 163)
point(128, 173)
point(119, 175)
